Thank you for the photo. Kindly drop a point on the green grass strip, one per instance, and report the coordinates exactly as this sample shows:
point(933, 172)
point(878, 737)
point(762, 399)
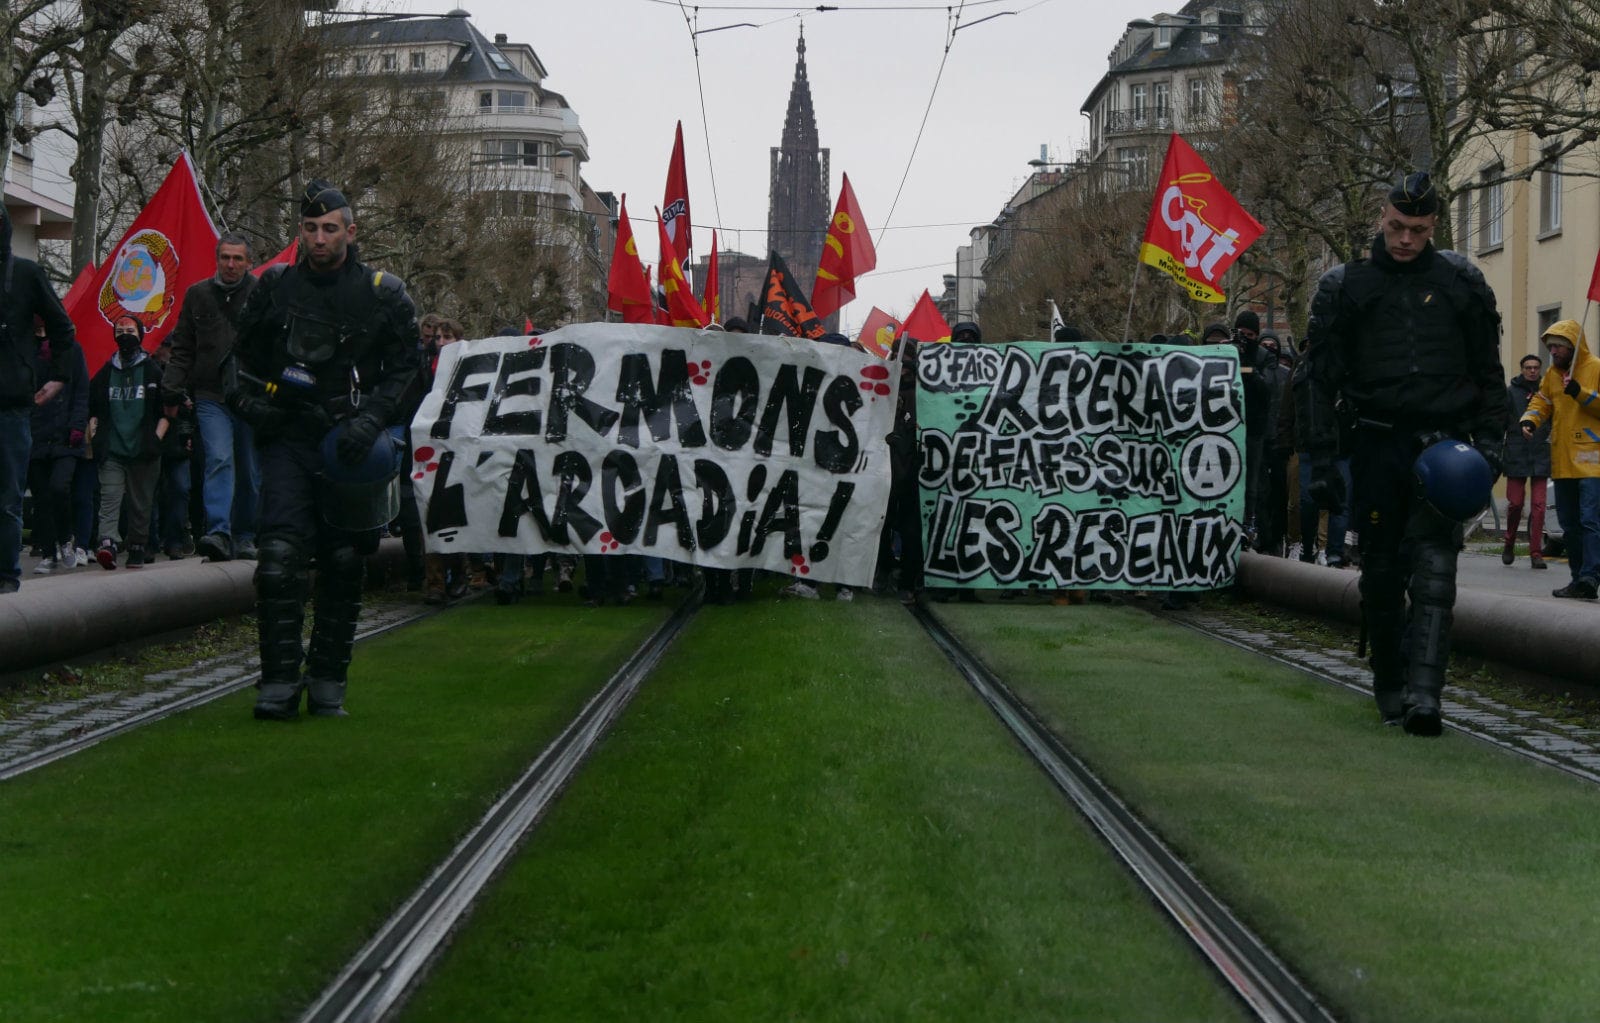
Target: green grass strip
point(806, 815)
point(1409, 879)
point(213, 867)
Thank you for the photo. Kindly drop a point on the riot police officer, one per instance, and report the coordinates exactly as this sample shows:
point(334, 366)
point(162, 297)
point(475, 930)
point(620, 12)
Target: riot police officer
point(1403, 351)
point(326, 349)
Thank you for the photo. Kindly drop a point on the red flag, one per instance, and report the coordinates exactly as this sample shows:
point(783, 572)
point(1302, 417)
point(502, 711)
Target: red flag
point(627, 287)
point(527, 325)
point(847, 253)
point(290, 253)
point(170, 246)
point(1196, 227)
point(925, 323)
point(711, 297)
point(675, 203)
point(79, 283)
point(682, 309)
point(1594, 281)
point(878, 333)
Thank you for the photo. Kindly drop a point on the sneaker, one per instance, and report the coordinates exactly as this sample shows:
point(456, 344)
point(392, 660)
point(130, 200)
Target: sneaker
point(216, 547)
point(46, 566)
point(136, 556)
point(174, 552)
point(107, 554)
point(80, 557)
point(10, 586)
point(801, 589)
point(1578, 589)
point(66, 555)
point(845, 593)
point(1507, 556)
point(1536, 562)
point(246, 551)
point(150, 556)
point(564, 578)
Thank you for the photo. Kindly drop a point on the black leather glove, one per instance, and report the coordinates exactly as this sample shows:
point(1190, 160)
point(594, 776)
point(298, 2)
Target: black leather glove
point(359, 435)
point(259, 412)
point(1327, 486)
point(1572, 388)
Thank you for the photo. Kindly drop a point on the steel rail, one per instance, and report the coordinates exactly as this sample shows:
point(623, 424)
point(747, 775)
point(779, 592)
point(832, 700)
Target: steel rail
point(1449, 722)
point(36, 759)
point(1258, 976)
point(377, 981)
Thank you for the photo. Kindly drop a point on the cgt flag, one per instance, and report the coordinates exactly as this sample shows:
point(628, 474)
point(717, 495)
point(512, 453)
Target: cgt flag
point(675, 202)
point(682, 309)
point(847, 253)
point(170, 246)
point(784, 309)
point(627, 287)
point(1196, 227)
point(878, 333)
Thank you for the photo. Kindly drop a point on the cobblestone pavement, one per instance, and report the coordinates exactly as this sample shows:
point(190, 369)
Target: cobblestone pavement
point(37, 727)
point(1571, 747)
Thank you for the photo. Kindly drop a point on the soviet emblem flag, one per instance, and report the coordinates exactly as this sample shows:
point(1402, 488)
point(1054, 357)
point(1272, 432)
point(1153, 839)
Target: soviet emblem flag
point(1196, 227)
point(171, 245)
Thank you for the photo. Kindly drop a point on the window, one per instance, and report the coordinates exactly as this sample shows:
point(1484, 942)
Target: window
point(1548, 315)
point(1492, 208)
point(390, 62)
point(511, 100)
point(486, 101)
point(1135, 160)
point(498, 59)
point(1163, 99)
point(525, 152)
point(363, 64)
point(1463, 220)
point(1550, 196)
point(1163, 37)
point(419, 60)
point(1197, 97)
point(1141, 102)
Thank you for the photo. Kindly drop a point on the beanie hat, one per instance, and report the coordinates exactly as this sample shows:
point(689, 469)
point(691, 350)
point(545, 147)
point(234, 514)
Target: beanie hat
point(1247, 320)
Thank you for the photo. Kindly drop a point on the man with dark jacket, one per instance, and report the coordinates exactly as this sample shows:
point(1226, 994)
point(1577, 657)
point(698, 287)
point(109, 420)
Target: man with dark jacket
point(25, 292)
point(127, 423)
point(60, 427)
point(1403, 351)
point(325, 352)
point(200, 342)
point(1527, 466)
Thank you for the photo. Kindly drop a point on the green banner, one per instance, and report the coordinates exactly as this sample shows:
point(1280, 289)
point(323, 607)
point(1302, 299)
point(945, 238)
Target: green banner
point(1081, 466)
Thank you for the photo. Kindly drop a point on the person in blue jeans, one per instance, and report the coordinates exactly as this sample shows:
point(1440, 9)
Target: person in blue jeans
point(1338, 522)
point(201, 341)
point(24, 383)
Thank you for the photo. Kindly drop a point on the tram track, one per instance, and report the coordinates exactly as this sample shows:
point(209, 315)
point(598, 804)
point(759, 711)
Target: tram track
point(377, 980)
point(1569, 749)
point(1262, 981)
point(94, 725)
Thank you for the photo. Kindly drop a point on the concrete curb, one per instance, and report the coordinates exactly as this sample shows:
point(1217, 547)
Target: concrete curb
point(48, 625)
point(1555, 637)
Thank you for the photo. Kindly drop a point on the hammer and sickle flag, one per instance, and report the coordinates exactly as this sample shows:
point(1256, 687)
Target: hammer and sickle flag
point(878, 333)
point(847, 253)
point(627, 287)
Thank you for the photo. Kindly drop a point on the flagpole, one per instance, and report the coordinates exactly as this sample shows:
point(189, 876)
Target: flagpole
point(1133, 290)
point(209, 195)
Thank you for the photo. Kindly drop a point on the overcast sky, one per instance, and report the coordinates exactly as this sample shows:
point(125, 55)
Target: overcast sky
point(1010, 85)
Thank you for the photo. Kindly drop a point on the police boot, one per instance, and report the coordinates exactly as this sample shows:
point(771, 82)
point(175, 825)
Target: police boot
point(333, 629)
point(280, 579)
point(1383, 620)
point(1433, 595)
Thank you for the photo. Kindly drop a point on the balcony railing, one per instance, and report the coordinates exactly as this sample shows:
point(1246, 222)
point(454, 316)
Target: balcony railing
point(1126, 122)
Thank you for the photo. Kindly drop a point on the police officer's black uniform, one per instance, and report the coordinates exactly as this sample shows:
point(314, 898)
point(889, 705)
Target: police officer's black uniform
point(1399, 355)
point(315, 349)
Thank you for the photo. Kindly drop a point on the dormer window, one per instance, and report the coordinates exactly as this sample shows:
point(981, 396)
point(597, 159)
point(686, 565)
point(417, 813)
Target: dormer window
point(1163, 37)
point(1209, 19)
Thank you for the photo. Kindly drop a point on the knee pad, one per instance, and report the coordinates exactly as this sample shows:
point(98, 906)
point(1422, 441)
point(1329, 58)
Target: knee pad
point(340, 569)
point(1433, 576)
point(281, 567)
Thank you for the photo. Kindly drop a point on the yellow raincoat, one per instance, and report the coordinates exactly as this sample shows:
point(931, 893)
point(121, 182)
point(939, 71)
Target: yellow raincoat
point(1575, 431)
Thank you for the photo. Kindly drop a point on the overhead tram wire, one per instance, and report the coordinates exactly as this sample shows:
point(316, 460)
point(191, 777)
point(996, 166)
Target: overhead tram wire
point(833, 8)
point(955, 25)
point(705, 125)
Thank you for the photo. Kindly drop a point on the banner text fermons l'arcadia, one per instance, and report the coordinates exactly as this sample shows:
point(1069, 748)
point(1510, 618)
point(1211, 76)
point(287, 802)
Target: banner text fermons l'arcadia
point(698, 446)
point(1096, 466)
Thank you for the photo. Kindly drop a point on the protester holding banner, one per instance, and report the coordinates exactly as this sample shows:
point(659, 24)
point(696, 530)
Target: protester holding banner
point(326, 349)
point(1403, 352)
point(200, 342)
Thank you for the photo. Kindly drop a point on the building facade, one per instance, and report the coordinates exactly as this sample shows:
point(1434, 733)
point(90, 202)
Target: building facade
point(798, 208)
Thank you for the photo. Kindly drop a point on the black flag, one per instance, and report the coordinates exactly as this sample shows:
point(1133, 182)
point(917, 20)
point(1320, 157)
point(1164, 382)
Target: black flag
point(784, 307)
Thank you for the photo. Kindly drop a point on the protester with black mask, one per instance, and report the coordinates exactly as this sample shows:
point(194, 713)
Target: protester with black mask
point(127, 423)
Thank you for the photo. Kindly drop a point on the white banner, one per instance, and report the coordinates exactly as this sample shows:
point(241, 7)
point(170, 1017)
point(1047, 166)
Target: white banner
point(715, 449)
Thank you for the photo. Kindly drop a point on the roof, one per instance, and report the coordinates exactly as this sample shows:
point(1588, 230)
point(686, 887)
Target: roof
point(1189, 48)
point(477, 61)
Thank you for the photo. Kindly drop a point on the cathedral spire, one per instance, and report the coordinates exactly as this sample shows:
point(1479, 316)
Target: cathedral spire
point(798, 208)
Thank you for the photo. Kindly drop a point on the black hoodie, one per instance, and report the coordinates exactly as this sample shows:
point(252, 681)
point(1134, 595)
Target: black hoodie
point(24, 292)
